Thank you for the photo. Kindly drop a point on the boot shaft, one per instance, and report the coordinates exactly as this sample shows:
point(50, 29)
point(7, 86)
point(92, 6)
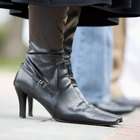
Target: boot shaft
point(46, 28)
point(73, 14)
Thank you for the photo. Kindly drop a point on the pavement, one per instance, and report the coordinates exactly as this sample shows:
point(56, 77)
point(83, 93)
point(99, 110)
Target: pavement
point(43, 127)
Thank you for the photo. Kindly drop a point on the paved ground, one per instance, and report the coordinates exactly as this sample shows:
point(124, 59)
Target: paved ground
point(42, 127)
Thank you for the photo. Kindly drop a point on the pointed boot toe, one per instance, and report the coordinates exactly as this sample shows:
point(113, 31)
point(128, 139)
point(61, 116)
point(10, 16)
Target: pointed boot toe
point(49, 84)
point(115, 108)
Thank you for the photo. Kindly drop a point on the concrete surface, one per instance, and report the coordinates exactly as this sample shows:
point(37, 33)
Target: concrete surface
point(43, 127)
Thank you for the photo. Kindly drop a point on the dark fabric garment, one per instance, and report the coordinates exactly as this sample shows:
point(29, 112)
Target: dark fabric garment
point(121, 3)
point(59, 2)
point(6, 4)
point(90, 16)
point(118, 8)
point(20, 13)
point(95, 19)
point(103, 16)
point(98, 21)
point(118, 11)
point(20, 7)
point(84, 20)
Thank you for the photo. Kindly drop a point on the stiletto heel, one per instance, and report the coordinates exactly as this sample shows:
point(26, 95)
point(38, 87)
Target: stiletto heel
point(44, 77)
point(22, 103)
point(30, 106)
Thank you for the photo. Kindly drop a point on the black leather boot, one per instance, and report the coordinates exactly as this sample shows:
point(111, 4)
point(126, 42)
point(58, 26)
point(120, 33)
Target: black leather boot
point(44, 77)
point(71, 24)
point(111, 106)
point(68, 39)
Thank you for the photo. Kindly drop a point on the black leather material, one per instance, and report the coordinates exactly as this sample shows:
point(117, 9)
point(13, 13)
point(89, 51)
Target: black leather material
point(73, 17)
point(125, 101)
point(115, 108)
point(44, 77)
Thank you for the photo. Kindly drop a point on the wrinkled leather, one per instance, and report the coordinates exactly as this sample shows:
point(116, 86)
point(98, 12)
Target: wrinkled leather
point(57, 94)
point(73, 17)
point(44, 77)
point(68, 38)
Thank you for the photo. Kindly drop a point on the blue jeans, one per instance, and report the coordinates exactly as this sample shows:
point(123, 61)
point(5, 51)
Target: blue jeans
point(92, 60)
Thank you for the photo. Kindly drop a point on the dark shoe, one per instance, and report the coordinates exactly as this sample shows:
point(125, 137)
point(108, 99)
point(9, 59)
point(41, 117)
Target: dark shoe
point(126, 102)
point(115, 108)
point(44, 77)
point(69, 68)
point(71, 24)
point(48, 82)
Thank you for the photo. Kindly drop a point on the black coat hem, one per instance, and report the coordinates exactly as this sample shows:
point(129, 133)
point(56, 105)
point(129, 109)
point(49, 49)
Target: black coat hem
point(65, 2)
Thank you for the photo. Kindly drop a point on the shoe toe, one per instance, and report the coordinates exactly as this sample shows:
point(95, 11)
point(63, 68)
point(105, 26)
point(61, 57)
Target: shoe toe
point(106, 118)
point(115, 108)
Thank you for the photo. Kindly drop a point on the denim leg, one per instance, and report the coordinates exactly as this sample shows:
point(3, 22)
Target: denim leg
point(92, 62)
point(110, 45)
